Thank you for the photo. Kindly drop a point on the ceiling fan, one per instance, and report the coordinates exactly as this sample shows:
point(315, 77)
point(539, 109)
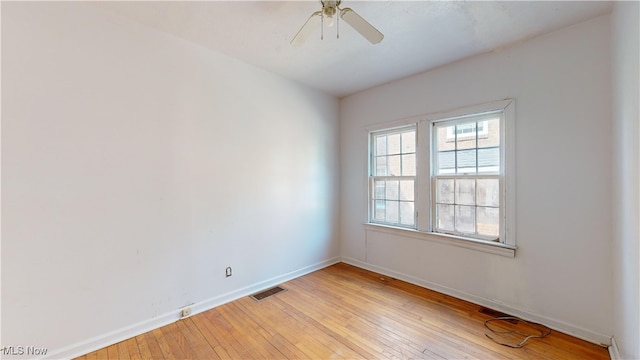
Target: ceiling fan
point(331, 9)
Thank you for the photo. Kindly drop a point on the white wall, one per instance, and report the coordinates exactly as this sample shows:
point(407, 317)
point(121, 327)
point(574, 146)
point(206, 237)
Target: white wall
point(626, 161)
point(136, 167)
point(562, 270)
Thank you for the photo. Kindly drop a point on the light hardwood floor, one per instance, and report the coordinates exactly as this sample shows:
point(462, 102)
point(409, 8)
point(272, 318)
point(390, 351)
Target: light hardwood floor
point(342, 312)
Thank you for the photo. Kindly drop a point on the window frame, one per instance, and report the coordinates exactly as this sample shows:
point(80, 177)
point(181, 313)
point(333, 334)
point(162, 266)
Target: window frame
point(424, 200)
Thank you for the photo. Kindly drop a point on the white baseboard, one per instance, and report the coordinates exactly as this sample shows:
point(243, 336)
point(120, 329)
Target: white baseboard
point(614, 352)
point(584, 334)
point(113, 337)
point(252, 289)
point(116, 336)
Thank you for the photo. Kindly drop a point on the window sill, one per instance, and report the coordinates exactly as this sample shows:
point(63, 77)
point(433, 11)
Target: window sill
point(490, 247)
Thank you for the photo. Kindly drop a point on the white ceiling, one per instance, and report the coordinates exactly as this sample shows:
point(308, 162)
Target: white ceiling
point(419, 35)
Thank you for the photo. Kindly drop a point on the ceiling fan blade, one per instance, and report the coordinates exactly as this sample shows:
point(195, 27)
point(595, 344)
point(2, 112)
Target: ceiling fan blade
point(361, 25)
point(306, 29)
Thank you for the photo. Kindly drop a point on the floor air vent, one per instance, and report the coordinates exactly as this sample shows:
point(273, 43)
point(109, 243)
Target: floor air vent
point(265, 294)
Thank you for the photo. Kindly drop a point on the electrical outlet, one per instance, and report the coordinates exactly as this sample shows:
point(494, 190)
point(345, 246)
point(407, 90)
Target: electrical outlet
point(227, 271)
point(185, 312)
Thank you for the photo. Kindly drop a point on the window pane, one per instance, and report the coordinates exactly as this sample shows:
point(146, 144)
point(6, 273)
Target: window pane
point(381, 166)
point(466, 136)
point(489, 160)
point(393, 144)
point(409, 142)
point(409, 165)
point(492, 136)
point(407, 215)
point(394, 165)
point(392, 215)
point(466, 129)
point(379, 210)
point(444, 191)
point(445, 140)
point(488, 221)
point(406, 190)
point(381, 145)
point(488, 192)
point(444, 217)
point(379, 189)
point(392, 190)
point(446, 162)
point(465, 192)
point(466, 161)
point(465, 219)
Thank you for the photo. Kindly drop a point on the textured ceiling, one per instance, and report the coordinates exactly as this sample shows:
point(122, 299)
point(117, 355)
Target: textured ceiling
point(419, 35)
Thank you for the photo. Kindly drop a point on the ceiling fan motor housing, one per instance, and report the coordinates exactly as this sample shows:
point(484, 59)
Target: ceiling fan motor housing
point(329, 8)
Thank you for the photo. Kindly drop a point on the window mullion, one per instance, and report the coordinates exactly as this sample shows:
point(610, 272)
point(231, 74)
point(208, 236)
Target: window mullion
point(475, 194)
point(455, 150)
point(423, 176)
point(477, 148)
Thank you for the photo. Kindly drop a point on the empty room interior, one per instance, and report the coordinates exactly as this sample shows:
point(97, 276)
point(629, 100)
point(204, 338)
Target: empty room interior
point(408, 173)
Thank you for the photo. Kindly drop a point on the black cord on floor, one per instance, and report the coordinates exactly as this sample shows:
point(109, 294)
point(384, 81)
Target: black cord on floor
point(543, 331)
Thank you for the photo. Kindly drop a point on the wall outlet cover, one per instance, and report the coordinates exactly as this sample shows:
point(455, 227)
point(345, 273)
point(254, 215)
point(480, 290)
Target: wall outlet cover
point(185, 312)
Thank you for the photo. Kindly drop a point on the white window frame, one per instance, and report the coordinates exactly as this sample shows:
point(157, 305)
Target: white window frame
point(423, 182)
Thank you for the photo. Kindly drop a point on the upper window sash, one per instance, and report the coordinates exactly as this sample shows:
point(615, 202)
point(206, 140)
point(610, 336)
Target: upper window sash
point(393, 152)
point(473, 153)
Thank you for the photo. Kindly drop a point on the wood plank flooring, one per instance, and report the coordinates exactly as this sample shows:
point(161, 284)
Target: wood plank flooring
point(342, 312)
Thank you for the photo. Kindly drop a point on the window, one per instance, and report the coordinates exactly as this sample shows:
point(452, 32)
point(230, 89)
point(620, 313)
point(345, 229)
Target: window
point(447, 174)
point(466, 177)
point(393, 165)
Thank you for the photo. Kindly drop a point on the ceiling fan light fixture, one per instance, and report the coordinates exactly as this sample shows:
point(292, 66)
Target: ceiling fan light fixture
point(328, 11)
point(330, 21)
